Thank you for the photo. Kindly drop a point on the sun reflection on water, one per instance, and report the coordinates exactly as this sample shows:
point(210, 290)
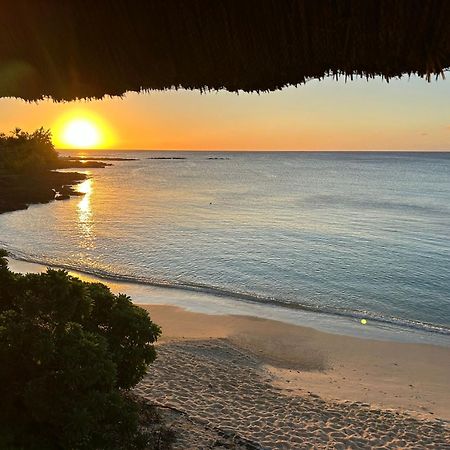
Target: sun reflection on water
point(85, 216)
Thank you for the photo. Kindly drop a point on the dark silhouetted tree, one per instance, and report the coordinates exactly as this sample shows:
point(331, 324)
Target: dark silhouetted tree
point(68, 352)
point(24, 152)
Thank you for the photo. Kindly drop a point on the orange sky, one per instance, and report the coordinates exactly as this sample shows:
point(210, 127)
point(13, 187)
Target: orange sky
point(405, 114)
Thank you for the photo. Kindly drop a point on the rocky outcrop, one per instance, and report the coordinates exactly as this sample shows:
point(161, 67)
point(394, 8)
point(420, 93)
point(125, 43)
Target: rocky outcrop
point(18, 191)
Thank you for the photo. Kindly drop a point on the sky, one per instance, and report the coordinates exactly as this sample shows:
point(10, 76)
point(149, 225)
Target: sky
point(404, 114)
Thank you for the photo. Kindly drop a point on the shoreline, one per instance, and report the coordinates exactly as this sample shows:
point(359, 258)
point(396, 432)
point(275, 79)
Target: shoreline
point(18, 191)
point(203, 302)
point(336, 366)
point(240, 381)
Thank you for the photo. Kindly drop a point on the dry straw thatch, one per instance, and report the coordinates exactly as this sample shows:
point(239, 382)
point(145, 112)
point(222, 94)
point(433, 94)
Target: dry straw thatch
point(70, 49)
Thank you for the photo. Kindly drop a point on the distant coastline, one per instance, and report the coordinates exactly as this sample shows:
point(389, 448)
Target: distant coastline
point(18, 191)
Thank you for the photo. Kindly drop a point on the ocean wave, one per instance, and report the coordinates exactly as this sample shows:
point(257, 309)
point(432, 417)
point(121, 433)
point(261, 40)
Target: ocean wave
point(383, 320)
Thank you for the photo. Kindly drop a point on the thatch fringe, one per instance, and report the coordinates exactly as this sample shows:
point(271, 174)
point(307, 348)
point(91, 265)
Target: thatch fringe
point(68, 49)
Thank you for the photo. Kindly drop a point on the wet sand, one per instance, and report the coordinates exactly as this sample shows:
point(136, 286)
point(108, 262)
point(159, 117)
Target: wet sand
point(275, 385)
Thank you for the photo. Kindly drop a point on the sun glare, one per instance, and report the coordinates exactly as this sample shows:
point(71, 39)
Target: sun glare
point(81, 133)
point(82, 130)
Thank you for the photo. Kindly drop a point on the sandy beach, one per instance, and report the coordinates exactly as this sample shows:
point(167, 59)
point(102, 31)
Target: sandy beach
point(243, 382)
point(237, 381)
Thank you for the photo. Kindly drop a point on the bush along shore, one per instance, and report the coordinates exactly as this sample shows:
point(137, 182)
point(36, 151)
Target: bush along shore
point(28, 163)
point(70, 352)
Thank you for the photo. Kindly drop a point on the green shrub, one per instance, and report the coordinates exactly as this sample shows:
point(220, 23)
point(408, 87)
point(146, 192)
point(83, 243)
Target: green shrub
point(23, 152)
point(69, 350)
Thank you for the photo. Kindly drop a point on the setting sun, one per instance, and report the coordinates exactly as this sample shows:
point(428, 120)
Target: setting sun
point(81, 133)
point(82, 130)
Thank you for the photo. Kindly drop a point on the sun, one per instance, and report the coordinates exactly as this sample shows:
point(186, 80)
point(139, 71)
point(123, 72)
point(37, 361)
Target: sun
point(81, 133)
point(80, 129)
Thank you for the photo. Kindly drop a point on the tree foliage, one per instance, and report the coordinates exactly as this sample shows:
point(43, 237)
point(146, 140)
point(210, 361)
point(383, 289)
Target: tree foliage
point(68, 352)
point(24, 152)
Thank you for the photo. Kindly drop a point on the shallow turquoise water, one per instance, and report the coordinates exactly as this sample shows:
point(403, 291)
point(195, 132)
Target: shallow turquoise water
point(353, 234)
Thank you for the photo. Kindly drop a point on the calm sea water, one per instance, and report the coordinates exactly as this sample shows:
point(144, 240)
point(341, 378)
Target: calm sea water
point(352, 234)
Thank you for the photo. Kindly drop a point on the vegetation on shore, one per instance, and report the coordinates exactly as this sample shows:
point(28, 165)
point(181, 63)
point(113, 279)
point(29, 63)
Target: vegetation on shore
point(27, 161)
point(25, 153)
point(70, 351)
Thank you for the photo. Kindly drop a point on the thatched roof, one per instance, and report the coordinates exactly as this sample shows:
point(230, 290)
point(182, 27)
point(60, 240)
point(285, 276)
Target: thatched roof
point(70, 49)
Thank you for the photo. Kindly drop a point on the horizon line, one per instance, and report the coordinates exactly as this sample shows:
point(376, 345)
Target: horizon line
point(258, 150)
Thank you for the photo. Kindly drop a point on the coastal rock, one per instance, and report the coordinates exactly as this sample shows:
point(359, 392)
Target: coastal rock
point(66, 163)
point(17, 191)
point(62, 197)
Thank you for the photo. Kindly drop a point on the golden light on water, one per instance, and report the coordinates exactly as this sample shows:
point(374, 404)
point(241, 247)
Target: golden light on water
point(85, 220)
point(82, 129)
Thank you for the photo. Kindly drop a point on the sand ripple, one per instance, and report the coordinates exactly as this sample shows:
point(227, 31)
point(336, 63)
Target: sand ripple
point(222, 388)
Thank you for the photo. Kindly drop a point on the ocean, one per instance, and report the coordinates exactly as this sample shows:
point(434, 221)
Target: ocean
point(342, 236)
